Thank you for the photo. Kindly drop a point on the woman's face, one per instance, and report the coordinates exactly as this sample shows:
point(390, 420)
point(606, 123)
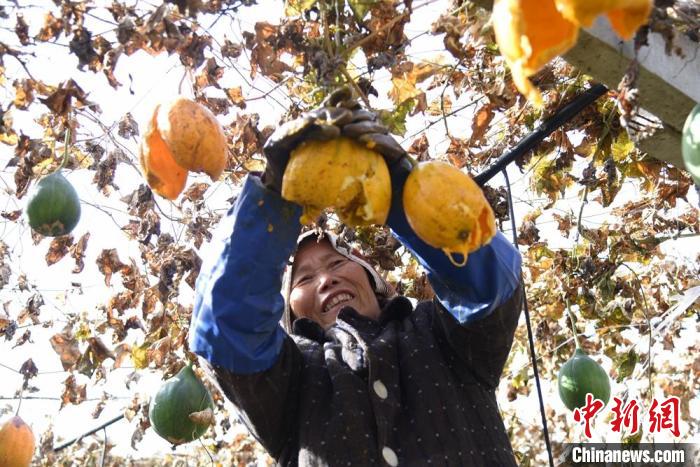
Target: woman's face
point(324, 282)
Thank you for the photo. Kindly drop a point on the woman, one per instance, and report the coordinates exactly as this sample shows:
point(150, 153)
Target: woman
point(358, 377)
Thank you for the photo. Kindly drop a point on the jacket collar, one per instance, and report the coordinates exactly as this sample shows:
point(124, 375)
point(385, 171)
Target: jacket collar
point(396, 309)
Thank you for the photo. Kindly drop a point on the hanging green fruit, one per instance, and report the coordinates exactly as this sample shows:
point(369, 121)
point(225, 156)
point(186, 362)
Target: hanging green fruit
point(579, 376)
point(53, 208)
point(691, 143)
point(182, 410)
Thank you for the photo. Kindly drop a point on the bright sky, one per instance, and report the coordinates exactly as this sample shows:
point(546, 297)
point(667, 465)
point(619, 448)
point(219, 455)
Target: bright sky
point(147, 81)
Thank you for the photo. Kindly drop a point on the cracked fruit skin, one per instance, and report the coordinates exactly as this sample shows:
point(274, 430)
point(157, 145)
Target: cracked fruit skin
point(182, 136)
point(339, 174)
point(579, 376)
point(16, 443)
point(177, 398)
point(447, 209)
point(691, 143)
point(54, 207)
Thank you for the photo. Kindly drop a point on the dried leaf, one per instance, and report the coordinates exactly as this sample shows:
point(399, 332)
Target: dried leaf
point(128, 128)
point(72, 392)
point(28, 370)
point(109, 263)
point(196, 192)
point(159, 351)
point(203, 418)
point(11, 215)
point(65, 345)
point(77, 252)
point(480, 123)
point(51, 29)
point(236, 97)
point(24, 93)
point(58, 249)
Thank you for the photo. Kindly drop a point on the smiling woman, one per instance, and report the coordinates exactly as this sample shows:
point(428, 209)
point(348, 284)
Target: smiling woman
point(355, 375)
point(324, 281)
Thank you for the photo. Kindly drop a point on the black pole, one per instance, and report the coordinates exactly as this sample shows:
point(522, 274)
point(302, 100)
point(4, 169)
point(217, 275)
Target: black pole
point(93, 431)
point(531, 141)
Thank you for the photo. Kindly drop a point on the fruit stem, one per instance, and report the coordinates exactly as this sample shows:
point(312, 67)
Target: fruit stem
point(65, 150)
point(573, 325)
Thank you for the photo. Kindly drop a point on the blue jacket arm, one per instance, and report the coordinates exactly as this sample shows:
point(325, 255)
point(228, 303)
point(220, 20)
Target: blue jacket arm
point(238, 304)
point(469, 293)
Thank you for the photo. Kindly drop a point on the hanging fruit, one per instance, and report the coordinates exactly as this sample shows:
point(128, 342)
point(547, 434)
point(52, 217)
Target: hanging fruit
point(530, 33)
point(53, 208)
point(16, 443)
point(182, 136)
point(182, 409)
point(579, 376)
point(625, 16)
point(339, 174)
point(447, 209)
point(691, 143)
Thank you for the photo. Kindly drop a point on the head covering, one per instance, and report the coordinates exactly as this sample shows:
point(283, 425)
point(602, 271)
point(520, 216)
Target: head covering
point(382, 289)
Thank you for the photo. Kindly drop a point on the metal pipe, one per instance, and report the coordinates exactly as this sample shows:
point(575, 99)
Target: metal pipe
point(531, 141)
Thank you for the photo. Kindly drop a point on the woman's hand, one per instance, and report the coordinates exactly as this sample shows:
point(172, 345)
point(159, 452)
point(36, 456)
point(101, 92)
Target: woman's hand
point(338, 115)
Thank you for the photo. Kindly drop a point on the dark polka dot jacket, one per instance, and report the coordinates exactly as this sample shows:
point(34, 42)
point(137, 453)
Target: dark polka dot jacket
point(415, 388)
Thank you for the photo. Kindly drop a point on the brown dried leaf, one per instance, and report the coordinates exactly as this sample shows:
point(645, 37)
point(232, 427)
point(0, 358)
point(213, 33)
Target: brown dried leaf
point(104, 174)
point(236, 97)
point(22, 30)
point(128, 127)
point(58, 249)
point(100, 405)
point(72, 393)
point(23, 339)
point(51, 29)
point(11, 215)
point(196, 192)
point(77, 252)
point(65, 345)
point(419, 149)
point(28, 370)
point(61, 100)
point(24, 93)
point(159, 351)
point(31, 310)
point(122, 352)
point(480, 123)
point(203, 418)
point(231, 50)
point(109, 263)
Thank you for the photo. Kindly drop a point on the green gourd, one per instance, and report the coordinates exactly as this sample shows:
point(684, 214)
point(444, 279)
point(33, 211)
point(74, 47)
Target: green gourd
point(53, 208)
point(178, 412)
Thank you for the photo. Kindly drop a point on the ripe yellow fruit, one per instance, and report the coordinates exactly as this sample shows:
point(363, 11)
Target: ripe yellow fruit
point(625, 16)
point(162, 173)
point(182, 135)
point(193, 135)
point(447, 209)
point(339, 174)
point(16, 443)
point(529, 34)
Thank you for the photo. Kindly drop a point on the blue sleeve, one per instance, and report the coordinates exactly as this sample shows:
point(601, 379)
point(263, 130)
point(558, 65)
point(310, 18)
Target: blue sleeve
point(238, 303)
point(469, 293)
